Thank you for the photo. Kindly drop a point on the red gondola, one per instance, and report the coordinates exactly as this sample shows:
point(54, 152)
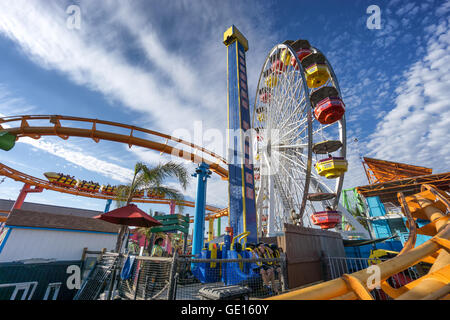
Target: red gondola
point(328, 106)
point(278, 66)
point(326, 219)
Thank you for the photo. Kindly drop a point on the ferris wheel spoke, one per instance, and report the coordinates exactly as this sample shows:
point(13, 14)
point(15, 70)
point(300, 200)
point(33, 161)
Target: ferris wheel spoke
point(294, 113)
point(286, 146)
point(292, 161)
point(285, 105)
point(299, 125)
point(293, 180)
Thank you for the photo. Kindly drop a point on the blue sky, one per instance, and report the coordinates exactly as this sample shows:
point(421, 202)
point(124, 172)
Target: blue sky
point(163, 67)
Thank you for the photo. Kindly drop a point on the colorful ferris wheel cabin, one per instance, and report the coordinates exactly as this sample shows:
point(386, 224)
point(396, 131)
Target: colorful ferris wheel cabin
point(316, 70)
point(264, 95)
point(278, 66)
point(302, 49)
point(328, 106)
point(332, 167)
point(326, 219)
point(271, 81)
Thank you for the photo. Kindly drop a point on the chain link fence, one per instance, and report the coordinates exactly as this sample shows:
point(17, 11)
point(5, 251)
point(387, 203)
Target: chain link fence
point(335, 267)
point(184, 278)
point(148, 279)
point(216, 279)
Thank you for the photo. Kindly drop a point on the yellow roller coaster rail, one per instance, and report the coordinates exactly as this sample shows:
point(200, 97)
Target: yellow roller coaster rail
point(430, 204)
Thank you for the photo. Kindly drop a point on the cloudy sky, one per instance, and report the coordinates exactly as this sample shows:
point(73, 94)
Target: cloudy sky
point(163, 67)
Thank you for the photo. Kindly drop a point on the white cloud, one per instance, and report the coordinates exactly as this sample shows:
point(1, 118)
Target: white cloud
point(76, 156)
point(417, 129)
point(10, 104)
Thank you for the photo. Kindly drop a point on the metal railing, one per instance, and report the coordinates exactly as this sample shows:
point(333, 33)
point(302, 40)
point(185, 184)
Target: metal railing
point(336, 267)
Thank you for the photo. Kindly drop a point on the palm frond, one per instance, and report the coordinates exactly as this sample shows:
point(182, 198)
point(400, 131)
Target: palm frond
point(170, 193)
point(158, 174)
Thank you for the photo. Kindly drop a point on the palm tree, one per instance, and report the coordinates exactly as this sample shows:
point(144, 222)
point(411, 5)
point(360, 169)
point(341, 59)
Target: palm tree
point(151, 179)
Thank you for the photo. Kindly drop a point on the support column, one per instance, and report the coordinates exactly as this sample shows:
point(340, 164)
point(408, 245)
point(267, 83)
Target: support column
point(172, 207)
point(271, 209)
point(23, 194)
point(108, 205)
point(219, 227)
point(202, 173)
point(242, 208)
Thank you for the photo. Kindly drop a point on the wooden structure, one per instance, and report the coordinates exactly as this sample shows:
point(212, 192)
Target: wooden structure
point(304, 249)
point(387, 191)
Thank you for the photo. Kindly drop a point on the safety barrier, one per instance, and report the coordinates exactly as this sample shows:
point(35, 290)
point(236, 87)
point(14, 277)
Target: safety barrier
point(172, 278)
point(338, 266)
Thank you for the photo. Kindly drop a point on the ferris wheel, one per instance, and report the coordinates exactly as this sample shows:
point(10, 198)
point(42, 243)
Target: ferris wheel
point(300, 144)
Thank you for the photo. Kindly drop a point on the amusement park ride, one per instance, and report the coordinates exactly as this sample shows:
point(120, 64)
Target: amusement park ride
point(291, 170)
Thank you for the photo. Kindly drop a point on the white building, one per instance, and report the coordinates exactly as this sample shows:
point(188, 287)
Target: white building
point(60, 237)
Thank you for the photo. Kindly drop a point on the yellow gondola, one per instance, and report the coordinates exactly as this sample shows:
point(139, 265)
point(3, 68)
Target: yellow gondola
point(317, 75)
point(271, 81)
point(331, 168)
point(316, 70)
point(261, 117)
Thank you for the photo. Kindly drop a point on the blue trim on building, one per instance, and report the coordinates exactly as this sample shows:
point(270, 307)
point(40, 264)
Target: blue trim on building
point(2, 245)
point(56, 229)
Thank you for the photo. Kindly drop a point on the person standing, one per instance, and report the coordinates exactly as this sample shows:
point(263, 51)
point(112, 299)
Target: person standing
point(158, 250)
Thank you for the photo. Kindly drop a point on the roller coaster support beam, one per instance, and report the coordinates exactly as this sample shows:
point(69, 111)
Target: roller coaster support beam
point(23, 194)
point(202, 173)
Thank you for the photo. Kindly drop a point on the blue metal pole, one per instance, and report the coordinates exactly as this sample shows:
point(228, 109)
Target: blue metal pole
point(202, 173)
point(108, 204)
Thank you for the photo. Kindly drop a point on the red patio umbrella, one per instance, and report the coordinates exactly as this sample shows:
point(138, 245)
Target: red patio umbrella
point(130, 215)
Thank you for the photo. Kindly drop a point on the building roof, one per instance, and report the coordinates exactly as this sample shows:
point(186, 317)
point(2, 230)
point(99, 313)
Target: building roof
point(380, 171)
point(388, 191)
point(6, 206)
point(36, 219)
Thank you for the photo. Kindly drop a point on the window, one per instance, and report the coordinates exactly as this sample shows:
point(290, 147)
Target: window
point(21, 290)
point(397, 225)
point(52, 291)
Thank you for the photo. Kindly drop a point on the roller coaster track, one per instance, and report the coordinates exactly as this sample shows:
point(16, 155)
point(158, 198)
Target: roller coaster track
point(430, 204)
point(33, 126)
point(55, 128)
point(33, 181)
